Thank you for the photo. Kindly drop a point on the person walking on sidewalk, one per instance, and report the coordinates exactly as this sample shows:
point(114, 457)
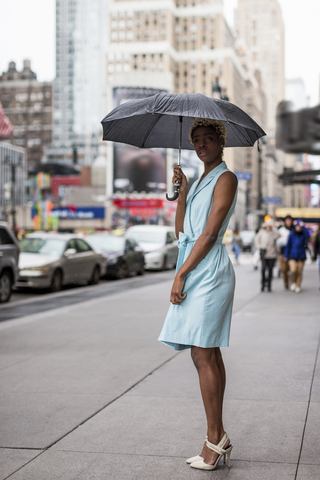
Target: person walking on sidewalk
point(295, 253)
point(202, 294)
point(282, 241)
point(236, 248)
point(265, 241)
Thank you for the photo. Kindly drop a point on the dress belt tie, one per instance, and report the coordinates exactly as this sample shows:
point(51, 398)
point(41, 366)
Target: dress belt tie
point(183, 242)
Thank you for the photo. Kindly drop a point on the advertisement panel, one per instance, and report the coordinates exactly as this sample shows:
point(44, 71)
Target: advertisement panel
point(136, 169)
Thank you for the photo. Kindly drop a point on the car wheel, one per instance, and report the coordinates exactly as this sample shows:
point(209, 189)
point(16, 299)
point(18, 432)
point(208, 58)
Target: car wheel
point(56, 282)
point(141, 270)
point(5, 287)
point(122, 271)
point(95, 276)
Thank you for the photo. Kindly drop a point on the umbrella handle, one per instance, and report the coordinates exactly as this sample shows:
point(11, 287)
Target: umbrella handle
point(176, 189)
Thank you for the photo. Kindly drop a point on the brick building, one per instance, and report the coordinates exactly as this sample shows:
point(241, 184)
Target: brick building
point(28, 104)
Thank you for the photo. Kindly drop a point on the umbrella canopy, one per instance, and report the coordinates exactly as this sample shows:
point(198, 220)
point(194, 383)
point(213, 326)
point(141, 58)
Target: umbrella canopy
point(156, 121)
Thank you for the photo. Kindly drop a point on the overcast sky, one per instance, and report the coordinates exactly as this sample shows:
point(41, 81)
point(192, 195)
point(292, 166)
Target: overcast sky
point(27, 30)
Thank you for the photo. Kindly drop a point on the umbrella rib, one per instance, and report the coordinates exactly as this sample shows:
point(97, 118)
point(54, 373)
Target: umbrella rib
point(150, 130)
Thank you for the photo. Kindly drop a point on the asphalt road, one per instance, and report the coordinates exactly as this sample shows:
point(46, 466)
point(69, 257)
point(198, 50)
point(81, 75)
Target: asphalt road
point(28, 302)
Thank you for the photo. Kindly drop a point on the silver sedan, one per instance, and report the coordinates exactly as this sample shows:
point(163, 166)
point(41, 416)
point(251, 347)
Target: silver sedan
point(53, 260)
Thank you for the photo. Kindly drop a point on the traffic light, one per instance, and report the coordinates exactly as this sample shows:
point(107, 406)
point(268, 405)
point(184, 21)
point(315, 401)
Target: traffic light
point(298, 131)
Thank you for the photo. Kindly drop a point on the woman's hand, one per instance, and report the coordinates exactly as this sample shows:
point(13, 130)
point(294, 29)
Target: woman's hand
point(179, 176)
point(177, 296)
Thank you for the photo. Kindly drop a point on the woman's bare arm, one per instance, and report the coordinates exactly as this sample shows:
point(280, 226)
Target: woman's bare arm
point(224, 193)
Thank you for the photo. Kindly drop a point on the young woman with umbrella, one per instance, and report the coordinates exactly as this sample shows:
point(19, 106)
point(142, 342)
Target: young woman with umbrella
point(202, 293)
point(203, 289)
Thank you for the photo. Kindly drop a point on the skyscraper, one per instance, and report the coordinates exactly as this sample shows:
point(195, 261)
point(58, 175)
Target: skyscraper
point(261, 25)
point(79, 87)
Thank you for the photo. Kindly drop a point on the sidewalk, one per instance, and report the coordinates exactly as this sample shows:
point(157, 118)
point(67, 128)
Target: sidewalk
point(85, 396)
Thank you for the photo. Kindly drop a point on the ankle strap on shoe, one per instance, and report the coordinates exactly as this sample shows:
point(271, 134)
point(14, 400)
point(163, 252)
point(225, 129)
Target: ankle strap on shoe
point(218, 448)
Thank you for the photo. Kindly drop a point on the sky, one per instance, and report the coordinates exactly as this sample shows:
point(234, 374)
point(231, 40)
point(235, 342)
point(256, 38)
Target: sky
point(27, 30)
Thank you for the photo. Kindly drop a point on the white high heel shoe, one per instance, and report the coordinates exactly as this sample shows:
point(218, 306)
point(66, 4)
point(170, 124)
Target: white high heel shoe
point(220, 450)
point(197, 458)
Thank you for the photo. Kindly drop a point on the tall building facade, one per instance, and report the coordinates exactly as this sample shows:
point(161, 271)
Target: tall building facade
point(181, 46)
point(261, 25)
point(28, 105)
point(79, 86)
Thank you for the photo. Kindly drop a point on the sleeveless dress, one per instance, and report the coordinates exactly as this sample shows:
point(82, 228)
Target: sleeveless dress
point(203, 318)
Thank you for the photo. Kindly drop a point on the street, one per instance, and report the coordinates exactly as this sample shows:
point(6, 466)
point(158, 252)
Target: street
point(87, 392)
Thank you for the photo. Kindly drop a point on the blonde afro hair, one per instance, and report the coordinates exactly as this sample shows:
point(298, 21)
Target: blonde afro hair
point(218, 126)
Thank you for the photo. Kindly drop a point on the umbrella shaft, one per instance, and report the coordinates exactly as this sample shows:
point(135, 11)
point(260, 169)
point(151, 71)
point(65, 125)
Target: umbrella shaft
point(180, 141)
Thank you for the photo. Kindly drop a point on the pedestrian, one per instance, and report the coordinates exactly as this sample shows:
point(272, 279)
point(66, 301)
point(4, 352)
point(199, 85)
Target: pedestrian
point(284, 231)
point(202, 294)
point(265, 241)
point(295, 253)
point(316, 248)
point(236, 245)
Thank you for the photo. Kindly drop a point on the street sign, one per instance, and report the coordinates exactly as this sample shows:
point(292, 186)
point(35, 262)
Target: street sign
point(276, 200)
point(244, 175)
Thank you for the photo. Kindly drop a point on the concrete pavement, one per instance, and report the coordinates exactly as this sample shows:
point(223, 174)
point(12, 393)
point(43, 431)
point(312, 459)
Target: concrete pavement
point(87, 392)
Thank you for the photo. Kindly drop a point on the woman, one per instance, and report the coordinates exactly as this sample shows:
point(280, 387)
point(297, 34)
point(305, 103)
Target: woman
point(295, 252)
point(203, 289)
point(265, 241)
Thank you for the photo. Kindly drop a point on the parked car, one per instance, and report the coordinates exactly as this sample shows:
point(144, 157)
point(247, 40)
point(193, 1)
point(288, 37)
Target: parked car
point(247, 240)
point(52, 260)
point(9, 258)
point(159, 244)
point(123, 255)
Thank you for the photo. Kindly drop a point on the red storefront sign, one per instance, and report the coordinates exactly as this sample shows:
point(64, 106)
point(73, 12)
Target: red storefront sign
point(138, 203)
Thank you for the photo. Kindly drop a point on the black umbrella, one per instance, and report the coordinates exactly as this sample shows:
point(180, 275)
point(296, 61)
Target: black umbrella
point(164, 121)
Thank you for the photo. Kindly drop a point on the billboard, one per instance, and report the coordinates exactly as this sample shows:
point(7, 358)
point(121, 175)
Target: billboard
point(137, 169)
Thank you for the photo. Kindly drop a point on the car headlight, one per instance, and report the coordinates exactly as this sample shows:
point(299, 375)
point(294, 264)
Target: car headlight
point(43, 269)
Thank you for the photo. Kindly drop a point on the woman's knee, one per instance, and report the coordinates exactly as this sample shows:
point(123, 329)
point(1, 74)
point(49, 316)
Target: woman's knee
point(204, 357)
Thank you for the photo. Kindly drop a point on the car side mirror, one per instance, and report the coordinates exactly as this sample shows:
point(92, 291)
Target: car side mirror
point(169, 240)
point(70, 251)
point(129, 248)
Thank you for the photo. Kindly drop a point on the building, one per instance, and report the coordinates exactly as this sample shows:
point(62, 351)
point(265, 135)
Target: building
point(260, 25)
point(182, 46)
point(28, 105)
point(79, 86)
point(297, 195)
point(13, 181)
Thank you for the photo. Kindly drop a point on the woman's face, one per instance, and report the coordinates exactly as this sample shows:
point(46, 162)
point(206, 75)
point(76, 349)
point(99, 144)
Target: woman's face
point(207, 144)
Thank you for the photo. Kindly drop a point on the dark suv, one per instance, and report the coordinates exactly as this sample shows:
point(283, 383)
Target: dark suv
point(9, 260)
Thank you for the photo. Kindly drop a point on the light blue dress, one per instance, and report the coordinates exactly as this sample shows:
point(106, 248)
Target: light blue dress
point(203, 318)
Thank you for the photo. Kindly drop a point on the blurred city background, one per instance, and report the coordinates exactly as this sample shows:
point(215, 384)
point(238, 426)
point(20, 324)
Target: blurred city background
point(65, 64)
point(85, 58)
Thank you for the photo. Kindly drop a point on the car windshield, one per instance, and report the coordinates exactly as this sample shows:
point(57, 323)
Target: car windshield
point(109, 243)
point(147, 237)
point(43, 246)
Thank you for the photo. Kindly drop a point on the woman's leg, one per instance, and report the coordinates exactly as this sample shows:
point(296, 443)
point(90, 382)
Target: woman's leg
point(293, 270)
point(263, 274)
point(271, 262)
point(300, 265)
point(212, 378)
